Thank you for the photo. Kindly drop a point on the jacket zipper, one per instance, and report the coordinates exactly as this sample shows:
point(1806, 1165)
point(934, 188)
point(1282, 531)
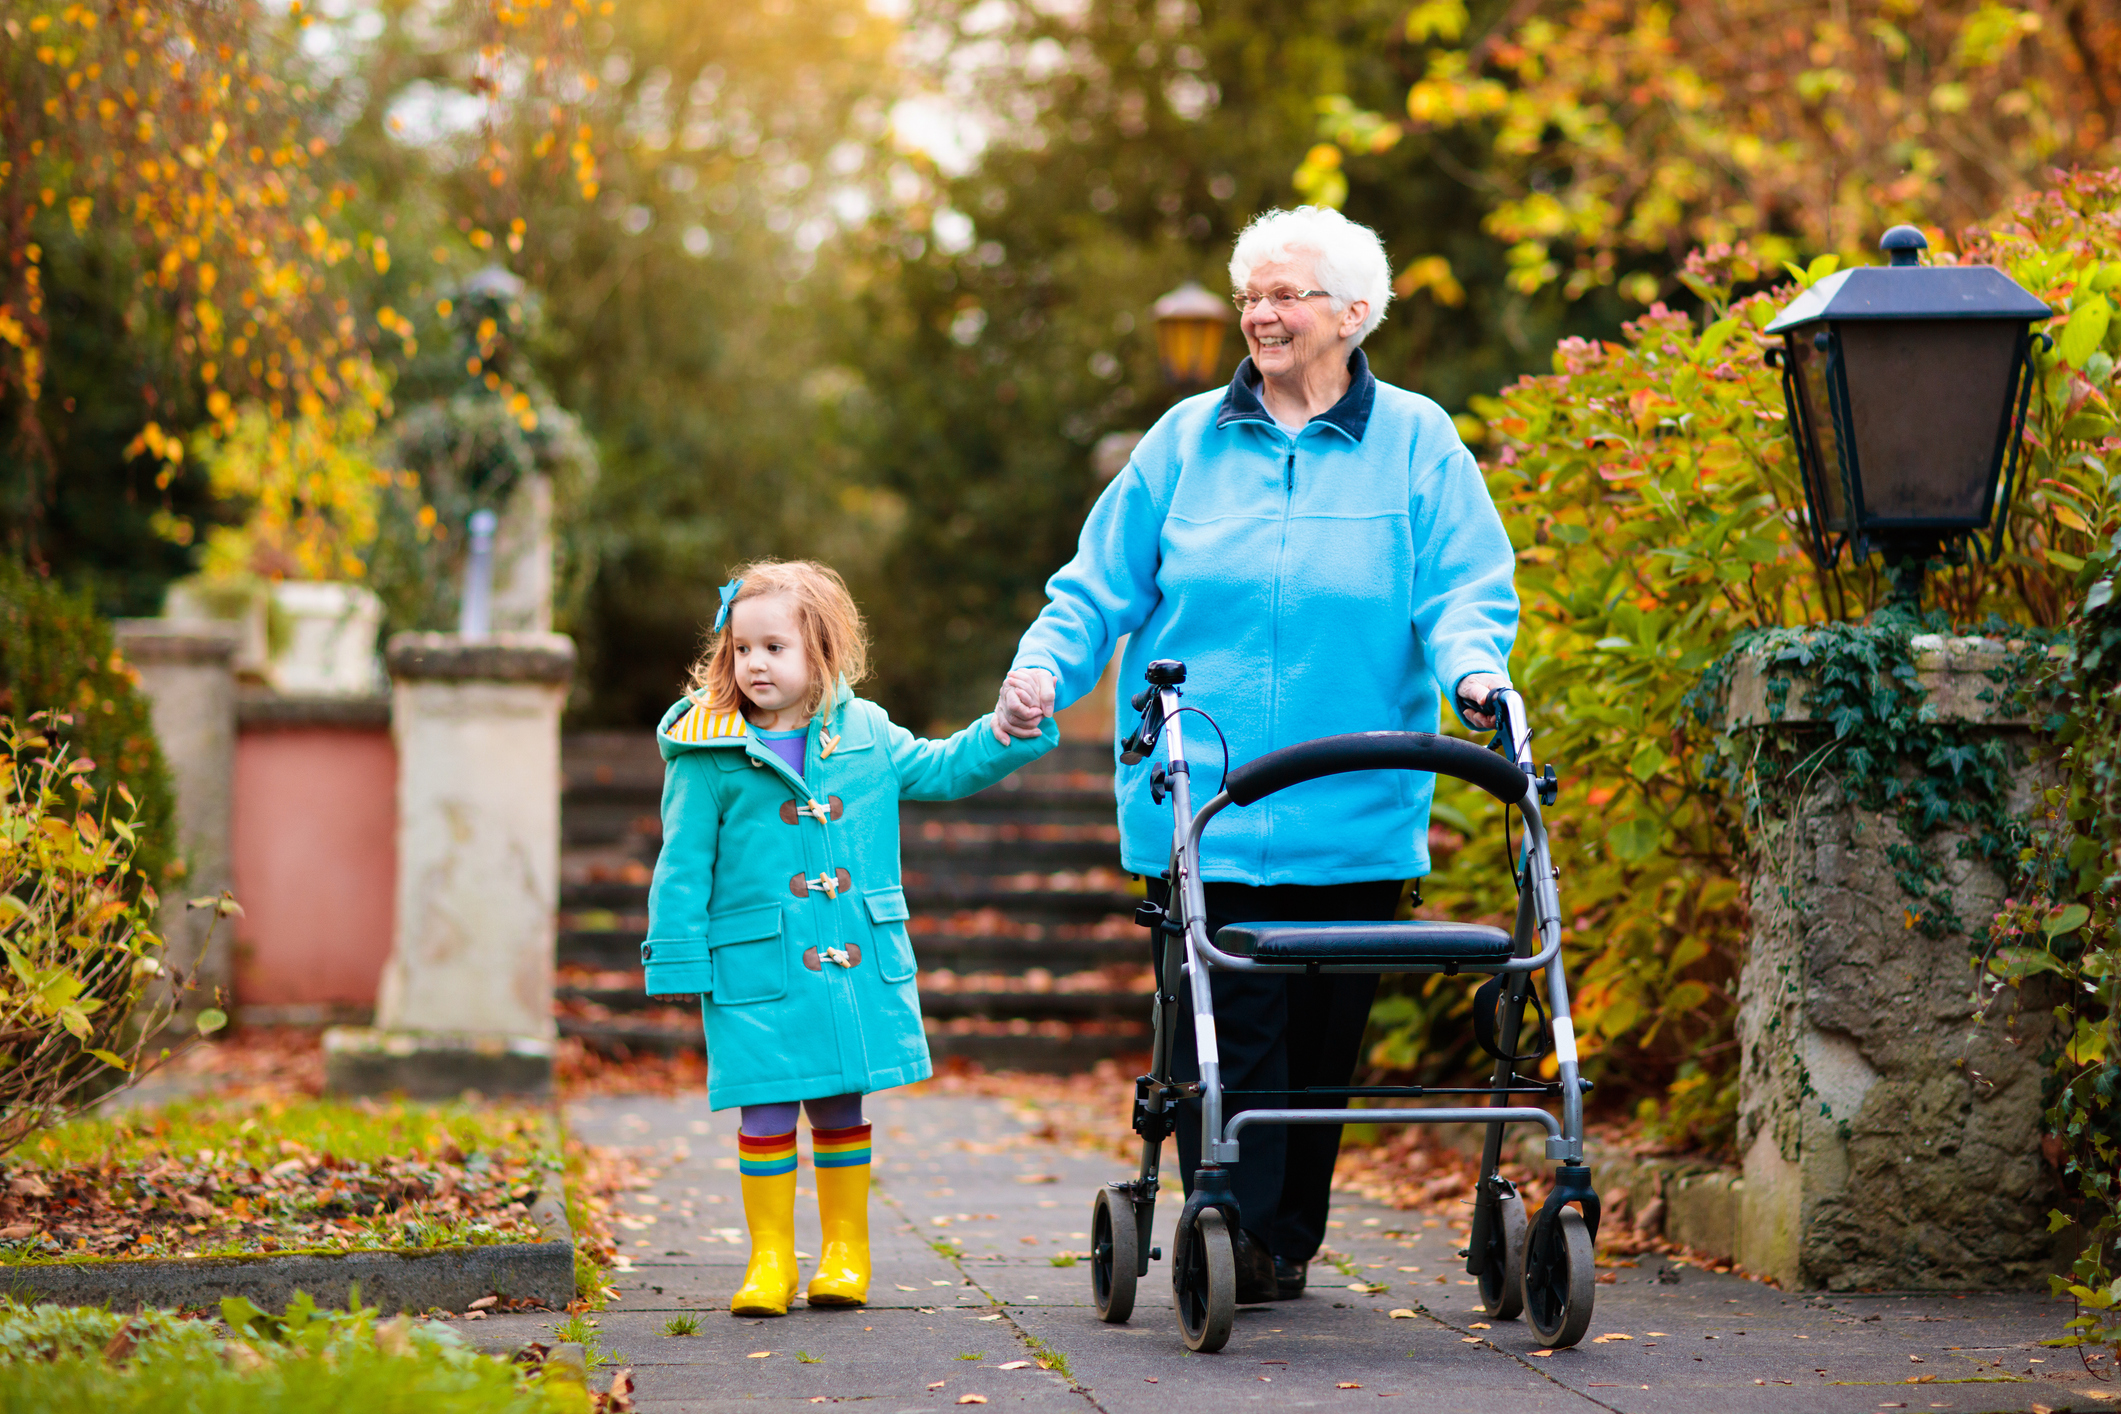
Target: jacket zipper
point(1281, 555)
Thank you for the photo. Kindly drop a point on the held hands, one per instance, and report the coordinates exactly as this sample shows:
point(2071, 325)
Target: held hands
point(1474, 688)
point(1026, 700)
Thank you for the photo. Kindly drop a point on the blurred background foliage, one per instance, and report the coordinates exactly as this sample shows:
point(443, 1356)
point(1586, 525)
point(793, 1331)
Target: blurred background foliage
point(867, 281)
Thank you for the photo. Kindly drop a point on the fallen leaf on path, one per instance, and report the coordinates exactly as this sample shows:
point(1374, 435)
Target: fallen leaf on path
point(1919, 1380)
point(1410, 1269)
point(1038, 1178)
point(995, 1317)
point(1403, 1313)
point(1610, 1335)
point(484, 1303)
point(1480, 1326)
point(1015, 1365)
point(1541, 1354)
point(1347, 1384)
point(17, 1231)
point(972, 1399)
point(1368, 1288)
point(1469, 1340)
point(939, 1384)
point(758, 1355)
point(903, 1287)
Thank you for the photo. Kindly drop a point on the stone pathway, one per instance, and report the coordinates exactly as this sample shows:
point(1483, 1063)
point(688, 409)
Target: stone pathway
point(973, 1209)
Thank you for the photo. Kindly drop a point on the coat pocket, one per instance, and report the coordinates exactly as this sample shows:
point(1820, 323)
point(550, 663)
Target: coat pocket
point(887, 925)
point(676, 967)
point(750, 961)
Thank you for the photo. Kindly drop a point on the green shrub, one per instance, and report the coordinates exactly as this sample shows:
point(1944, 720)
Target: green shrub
point(56, 655)
point(76, 929)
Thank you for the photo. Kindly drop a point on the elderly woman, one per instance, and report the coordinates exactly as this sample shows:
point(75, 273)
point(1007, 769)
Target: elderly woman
point(1319, 549)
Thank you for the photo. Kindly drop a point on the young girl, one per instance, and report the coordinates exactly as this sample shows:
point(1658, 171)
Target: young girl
point(777, 900)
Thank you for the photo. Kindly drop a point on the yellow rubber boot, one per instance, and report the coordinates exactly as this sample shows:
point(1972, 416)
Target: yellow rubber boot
point(842, 1160)
point(768, 1178)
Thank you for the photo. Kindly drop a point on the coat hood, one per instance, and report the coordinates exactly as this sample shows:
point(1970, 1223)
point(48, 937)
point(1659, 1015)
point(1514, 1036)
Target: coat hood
point(693, 726)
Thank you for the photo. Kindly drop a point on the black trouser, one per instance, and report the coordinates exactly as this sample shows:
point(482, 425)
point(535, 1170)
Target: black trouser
point(1279, 1031)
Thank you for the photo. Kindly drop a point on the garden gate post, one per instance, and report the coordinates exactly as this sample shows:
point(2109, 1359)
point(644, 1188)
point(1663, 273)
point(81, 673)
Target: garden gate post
point(187, 672)
point(466, 997)
point(1890, 1134)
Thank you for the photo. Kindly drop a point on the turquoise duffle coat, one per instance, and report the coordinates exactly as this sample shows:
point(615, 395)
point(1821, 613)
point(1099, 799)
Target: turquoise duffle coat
point(777, 897)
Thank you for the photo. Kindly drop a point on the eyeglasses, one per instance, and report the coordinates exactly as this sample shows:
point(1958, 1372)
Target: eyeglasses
point(1280, 299)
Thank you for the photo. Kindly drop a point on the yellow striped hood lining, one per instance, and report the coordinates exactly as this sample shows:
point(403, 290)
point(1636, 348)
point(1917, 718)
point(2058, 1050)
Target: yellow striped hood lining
point(703, 724)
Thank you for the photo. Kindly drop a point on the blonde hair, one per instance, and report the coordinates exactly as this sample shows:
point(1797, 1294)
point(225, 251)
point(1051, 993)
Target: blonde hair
point(834, 639)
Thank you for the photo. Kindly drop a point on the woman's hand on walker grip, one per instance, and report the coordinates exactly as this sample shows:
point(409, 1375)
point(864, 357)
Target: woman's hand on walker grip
point(1025, 701)
point(1474, 688)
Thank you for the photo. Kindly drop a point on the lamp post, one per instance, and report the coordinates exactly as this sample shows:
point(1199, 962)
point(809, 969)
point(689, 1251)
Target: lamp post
point(1907, 387)
point(1189, 334)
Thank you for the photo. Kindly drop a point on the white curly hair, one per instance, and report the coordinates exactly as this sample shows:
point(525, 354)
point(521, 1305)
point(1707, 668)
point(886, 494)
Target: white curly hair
point(1348, 257)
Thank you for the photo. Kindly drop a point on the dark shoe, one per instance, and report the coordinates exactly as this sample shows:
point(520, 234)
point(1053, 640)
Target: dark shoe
point(1255, 1270)
point(1289, 1278)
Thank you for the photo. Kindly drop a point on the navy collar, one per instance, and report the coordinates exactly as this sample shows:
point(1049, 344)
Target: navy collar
point(1351, 414)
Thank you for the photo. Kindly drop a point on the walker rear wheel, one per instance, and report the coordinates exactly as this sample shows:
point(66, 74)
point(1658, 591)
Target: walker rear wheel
point(1559, 1278)
point(1501, 1292)
point(1204, 1281)
point(1115, 1254)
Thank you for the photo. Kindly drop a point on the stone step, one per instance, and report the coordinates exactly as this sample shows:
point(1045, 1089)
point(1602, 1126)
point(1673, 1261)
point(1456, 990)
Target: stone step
point(620, 950)
point(1063, 1054)
point(1031, 905)
point(1002, 1005)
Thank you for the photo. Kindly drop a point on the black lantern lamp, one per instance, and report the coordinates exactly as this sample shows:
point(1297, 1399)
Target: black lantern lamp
point(1907, 387)
point(1189, 334)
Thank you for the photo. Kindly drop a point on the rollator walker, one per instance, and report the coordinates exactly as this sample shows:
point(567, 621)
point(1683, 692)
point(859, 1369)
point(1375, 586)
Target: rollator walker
point(1541, 1267)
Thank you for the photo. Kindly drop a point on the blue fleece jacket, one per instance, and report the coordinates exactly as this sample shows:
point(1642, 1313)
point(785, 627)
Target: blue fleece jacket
point(1331, 581)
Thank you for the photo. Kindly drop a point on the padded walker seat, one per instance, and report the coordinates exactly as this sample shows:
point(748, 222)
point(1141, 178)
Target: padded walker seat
point(1420, 943)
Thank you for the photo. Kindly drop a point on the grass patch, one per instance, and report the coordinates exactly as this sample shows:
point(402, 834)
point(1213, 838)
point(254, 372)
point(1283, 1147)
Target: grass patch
point(1049, 1358)
point(243, 1177)
point(687, 1324)
point(804, 1357)
point(972, 1355)
point(54, 1357)
point(582, 1331)
point(1062, 1259)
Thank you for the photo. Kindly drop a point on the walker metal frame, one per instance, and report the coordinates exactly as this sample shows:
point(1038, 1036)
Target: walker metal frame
point(1541, 1266)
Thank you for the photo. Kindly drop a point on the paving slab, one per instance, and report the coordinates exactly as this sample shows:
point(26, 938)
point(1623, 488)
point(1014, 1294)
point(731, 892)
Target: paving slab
point(973, 1209)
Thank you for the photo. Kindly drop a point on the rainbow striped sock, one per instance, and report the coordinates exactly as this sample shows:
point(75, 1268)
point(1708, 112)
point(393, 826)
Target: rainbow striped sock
point(769, 1156)
point(840, 1148)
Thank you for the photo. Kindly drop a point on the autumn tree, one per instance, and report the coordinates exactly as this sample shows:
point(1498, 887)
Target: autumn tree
point(181, 241)
point(1609, 131)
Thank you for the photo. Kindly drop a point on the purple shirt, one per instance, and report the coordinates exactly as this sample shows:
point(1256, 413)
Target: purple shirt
point(788, 746)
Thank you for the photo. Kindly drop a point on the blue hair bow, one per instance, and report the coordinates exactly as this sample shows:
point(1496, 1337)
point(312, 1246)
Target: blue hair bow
point(728, 597)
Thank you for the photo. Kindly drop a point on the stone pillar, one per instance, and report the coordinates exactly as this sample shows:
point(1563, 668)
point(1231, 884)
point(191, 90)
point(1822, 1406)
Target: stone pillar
point(1889, 1141)
point(466, 998)
point(187, 671)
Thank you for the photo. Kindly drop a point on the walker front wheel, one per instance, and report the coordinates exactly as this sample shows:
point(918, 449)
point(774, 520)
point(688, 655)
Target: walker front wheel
point(1501, 1292)
point(1204, 1281)
point(1115, 1254)
point(1559, 1278)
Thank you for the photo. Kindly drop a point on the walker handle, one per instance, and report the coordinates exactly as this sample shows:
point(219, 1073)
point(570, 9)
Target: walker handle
point(1377, 751)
